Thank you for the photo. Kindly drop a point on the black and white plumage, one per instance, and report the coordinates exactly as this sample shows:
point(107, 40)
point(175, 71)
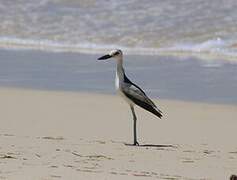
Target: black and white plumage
point(133, 94)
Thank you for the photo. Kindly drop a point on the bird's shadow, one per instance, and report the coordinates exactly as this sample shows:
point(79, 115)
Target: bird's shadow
point(153, 145)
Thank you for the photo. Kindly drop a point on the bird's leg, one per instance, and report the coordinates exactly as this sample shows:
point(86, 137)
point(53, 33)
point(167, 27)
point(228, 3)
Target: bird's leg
point(135, 143)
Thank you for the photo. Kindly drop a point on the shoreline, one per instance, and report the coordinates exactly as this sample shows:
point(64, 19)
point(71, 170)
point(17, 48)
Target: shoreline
point(165, 77)
point(91, 102)
point(113, 94)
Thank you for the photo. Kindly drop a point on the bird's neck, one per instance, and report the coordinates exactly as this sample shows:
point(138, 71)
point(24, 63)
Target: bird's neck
point(120, 70)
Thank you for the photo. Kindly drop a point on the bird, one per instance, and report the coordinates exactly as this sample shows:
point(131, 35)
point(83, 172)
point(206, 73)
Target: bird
point(131, 92)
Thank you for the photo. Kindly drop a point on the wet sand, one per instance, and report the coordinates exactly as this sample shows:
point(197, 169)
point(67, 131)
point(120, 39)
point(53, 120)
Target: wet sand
point(64, 135)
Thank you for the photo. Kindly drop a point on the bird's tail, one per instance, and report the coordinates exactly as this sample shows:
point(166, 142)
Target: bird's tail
point(157, 112)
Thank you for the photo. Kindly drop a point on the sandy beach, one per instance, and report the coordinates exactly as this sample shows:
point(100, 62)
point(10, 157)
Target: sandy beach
point(60, 117)
point(65, 135)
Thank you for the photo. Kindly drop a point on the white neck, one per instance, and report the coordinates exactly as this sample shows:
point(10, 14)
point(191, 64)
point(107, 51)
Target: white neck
point(120, 70)
point(119, 73)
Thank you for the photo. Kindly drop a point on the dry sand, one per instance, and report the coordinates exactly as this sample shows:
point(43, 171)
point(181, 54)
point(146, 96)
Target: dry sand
point(64, 135)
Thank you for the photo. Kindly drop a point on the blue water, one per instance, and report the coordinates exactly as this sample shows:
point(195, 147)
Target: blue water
point(183, 49)
point(160, 76)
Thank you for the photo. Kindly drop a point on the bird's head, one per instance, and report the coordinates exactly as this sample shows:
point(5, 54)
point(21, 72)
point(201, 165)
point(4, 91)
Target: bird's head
point(117, 53)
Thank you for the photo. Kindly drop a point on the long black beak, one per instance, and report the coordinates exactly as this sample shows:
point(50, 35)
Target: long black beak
point(107, 56)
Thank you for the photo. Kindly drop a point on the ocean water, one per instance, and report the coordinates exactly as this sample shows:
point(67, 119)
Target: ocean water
point(174, 49)
point(206, 29)
point(159, 76)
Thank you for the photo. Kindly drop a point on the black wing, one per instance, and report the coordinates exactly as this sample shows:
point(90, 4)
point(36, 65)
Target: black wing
point(138, 96)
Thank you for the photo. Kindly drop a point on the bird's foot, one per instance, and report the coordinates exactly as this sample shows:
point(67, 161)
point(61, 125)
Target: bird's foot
point(135, 143)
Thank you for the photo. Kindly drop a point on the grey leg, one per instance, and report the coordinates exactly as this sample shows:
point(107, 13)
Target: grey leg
point(134, 126)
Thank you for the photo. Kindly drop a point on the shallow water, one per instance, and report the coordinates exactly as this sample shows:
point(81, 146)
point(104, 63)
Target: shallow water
point(160, 76)
point(203, 28)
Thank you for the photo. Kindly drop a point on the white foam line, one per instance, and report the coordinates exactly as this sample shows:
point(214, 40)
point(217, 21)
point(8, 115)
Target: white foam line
point(212, 49)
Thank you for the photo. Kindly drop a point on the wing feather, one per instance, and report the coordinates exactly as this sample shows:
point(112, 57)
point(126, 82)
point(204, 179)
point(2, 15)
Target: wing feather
point(138, 96)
